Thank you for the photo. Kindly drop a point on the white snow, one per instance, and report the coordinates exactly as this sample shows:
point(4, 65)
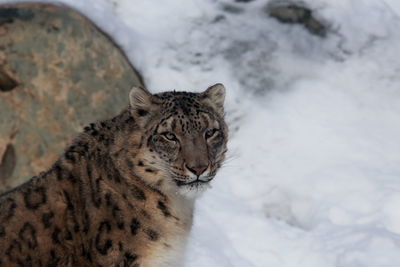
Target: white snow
point(313, 175)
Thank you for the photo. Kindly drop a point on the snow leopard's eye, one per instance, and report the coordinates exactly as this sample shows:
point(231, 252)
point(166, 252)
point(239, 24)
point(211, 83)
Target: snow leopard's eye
point(169, 136)
point(210, 133)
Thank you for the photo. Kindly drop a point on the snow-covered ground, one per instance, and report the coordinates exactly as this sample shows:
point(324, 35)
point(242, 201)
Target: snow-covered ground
point(313, 175)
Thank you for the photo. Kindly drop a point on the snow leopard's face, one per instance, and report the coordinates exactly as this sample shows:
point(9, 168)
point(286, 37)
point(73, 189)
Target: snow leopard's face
point(188, 133)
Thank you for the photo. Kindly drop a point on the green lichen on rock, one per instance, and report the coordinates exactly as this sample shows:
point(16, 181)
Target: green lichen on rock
point(58, 72)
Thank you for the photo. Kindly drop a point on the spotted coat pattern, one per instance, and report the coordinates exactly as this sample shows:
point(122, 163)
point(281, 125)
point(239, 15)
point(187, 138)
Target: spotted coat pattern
point(120, 194)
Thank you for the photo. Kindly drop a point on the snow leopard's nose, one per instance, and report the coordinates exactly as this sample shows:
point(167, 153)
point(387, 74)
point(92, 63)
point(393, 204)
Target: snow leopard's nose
point(197, 170)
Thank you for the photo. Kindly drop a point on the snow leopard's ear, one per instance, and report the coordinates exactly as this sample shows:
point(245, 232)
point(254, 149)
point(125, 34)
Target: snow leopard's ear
point(141, 104)
point(215, 96)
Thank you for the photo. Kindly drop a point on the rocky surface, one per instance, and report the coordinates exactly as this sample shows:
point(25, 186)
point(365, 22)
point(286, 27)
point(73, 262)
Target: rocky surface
point(58, 72)
point(296, 13)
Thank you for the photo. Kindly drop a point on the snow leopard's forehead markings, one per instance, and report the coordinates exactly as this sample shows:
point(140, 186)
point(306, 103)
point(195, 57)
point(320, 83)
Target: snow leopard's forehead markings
point(186, 110)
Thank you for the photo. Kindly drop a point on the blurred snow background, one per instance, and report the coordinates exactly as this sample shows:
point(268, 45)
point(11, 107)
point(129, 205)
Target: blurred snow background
point(313, 175)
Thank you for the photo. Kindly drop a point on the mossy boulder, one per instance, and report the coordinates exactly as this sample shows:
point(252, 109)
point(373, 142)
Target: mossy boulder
point(58, 72)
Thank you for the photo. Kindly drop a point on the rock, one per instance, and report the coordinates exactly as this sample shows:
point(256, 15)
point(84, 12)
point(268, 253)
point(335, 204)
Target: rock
point(292, 13)
point(58, 72)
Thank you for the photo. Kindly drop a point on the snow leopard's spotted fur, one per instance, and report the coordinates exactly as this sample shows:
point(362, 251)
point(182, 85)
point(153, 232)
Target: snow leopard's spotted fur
point(122, 194)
